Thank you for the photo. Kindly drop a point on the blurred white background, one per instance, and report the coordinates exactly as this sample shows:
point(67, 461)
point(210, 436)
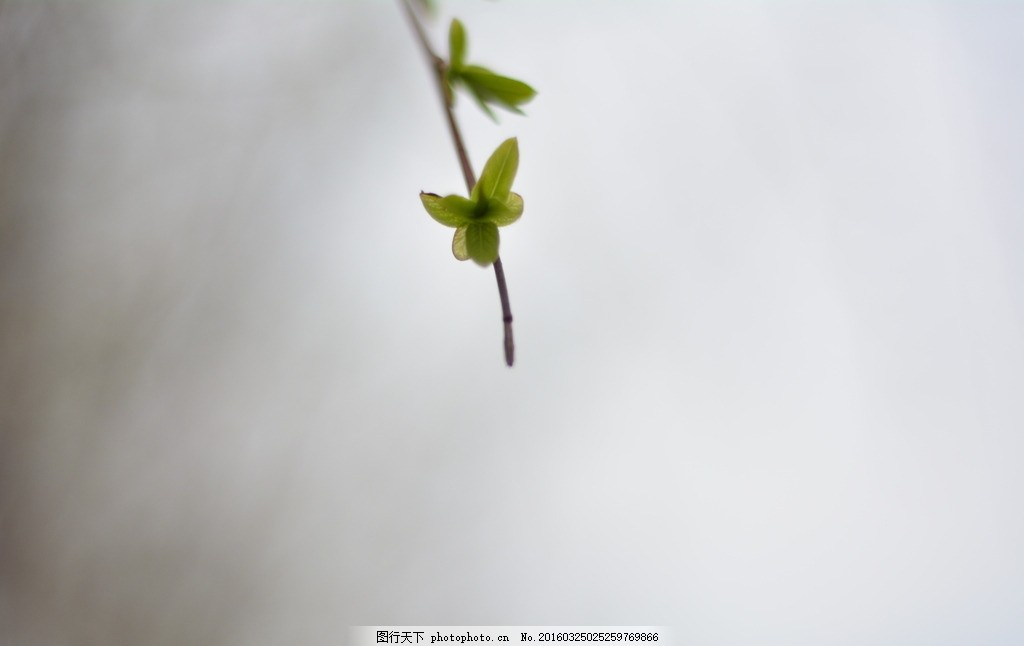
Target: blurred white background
point(769, 303)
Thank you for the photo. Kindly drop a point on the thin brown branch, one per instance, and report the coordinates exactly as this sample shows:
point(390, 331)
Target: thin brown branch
point(439, 66)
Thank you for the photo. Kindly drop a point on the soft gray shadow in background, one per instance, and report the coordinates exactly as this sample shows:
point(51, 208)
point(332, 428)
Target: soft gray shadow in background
point(769, 301)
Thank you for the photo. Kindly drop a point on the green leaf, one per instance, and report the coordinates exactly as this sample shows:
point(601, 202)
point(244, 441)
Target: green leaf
point(489, 87)
point(459, 244)
point(495, 181)
point(451, 211)
point(482, 242)
point(456, 45)
point(505, 213)
point(482, 102)
point(461, 206)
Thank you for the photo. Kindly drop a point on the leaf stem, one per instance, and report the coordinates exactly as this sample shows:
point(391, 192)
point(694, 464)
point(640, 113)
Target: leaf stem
point(438, 64)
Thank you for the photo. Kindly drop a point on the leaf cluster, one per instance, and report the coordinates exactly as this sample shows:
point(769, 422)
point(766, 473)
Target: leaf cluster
point(490, 205)
point(486, 87)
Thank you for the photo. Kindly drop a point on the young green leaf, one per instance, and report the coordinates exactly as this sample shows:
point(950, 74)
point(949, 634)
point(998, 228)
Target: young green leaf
point(456, 45)
point(495, 181)
point(489, 87)
point(459, 244)
point(451, 211)
point(462, 207)
point(481, 101)
point(505, 213)
point(482, 242)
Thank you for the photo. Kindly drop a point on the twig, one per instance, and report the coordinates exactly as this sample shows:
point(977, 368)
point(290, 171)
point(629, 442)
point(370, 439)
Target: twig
point(438, 65)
